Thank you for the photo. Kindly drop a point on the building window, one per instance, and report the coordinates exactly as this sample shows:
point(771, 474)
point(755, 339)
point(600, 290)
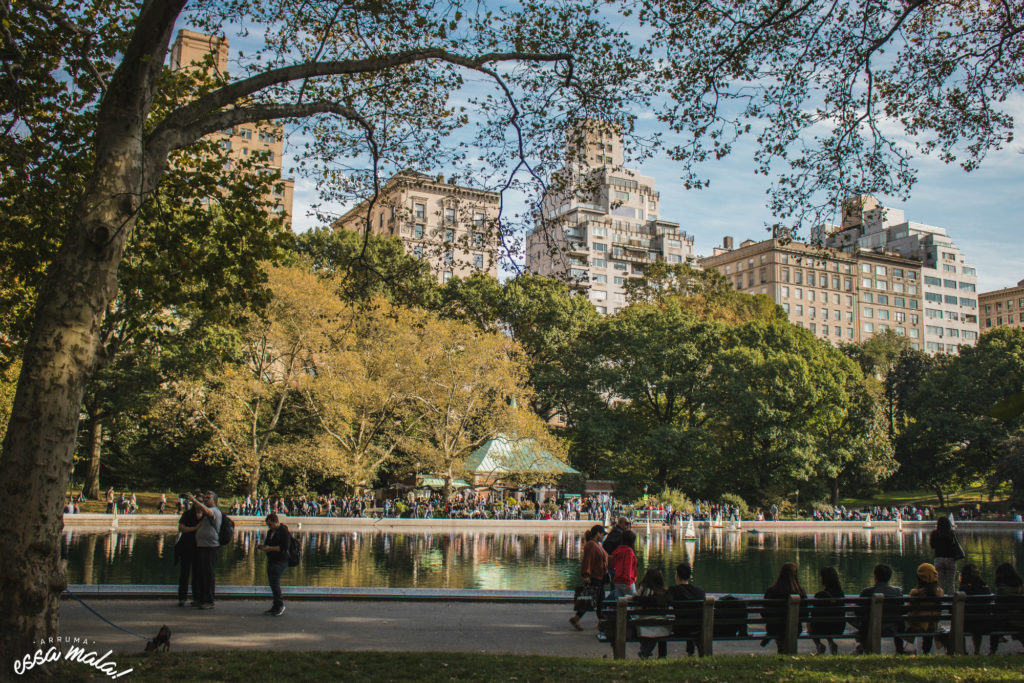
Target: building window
point(869, 327)
point(449, 256)
point(449, 235)
point(417, 251)
point(599, 263)
point(883, 314)
point(598, 246)
point(420, 210)
point(785, 292)
point(417, 230)
point(869, 297)
point(865, 282)
point(447, 276)
point(882, 300)
point(478, 219)
point(478, 261)
point(868, 312)
point(478, 239)
point(618, 280)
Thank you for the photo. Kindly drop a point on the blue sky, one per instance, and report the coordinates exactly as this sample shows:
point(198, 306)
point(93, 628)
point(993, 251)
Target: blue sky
point(983, 211)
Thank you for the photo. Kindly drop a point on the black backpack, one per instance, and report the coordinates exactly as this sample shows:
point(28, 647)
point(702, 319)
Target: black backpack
point(226, 534)
point(294, 552)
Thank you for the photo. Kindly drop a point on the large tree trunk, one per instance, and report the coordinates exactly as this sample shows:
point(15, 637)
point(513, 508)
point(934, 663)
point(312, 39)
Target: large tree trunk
point(64, 346)
point(91, 489)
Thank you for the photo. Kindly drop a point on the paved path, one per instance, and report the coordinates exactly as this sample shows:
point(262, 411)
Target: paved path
point(363, 625)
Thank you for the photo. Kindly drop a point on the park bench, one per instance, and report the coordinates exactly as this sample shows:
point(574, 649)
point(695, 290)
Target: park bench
point(878, 617)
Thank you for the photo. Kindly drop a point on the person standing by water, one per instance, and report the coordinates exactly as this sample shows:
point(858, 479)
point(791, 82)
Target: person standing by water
point(275, 545)
point(204, 564)
point(593, 569)
point(944, 545)
point(185, 551)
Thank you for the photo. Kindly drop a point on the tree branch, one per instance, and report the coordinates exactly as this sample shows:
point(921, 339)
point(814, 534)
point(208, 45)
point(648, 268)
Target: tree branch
point(239, 90)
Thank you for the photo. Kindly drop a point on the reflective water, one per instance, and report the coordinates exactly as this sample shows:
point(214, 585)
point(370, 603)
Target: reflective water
point(547, 560)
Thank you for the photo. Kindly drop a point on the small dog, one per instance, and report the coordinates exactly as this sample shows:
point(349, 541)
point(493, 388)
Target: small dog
point(161, 642)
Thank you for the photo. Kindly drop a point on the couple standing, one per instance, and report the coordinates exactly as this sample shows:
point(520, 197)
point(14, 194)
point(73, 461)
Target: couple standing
point(607, 557)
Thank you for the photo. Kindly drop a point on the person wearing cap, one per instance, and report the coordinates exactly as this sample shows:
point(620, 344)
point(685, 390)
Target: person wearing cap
point(924, 613)
point(204, 565)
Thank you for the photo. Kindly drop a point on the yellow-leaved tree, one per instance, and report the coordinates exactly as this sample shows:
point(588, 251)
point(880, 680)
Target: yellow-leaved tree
point(242, 402)
point(469, 386)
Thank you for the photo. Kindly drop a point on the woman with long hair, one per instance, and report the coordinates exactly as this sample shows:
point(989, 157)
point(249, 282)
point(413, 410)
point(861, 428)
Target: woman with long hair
point(593, 569)
point(826, 617)
point(786, 585)
point(652, 592)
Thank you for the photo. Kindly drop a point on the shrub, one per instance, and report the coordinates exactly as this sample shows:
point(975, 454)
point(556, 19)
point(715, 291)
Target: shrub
point(736, 501)
point(550, 508)
point(822, 506)
point(677, 498)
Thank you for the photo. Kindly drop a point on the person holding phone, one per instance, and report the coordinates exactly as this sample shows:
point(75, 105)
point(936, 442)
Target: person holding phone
point(275, 545)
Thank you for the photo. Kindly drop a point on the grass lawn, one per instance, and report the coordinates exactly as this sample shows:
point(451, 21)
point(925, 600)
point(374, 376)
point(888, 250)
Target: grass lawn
point(251, 666)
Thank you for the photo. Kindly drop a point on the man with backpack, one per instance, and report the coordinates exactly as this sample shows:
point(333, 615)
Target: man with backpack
point(204, 561)
point(276, 545)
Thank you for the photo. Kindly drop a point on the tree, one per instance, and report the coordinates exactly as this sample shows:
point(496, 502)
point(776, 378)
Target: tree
point(378, 79)
point(776, 387)
point(954, 440)
point(105, 62)
point(243, 402)
point(364, 268)
point(540, 314)
point(359, 393)
point(469, 386)
point(708, 293)
point(648, 369)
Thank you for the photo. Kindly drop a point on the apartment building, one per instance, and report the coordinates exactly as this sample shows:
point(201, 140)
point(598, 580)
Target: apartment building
point(190, 49)
point(948, 282)
point(840, 297)
point(1002, 308)
point(602, 223)
point(453, 227)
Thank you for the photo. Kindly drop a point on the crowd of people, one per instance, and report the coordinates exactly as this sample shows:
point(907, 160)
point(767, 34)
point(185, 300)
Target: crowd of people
point(609, 571)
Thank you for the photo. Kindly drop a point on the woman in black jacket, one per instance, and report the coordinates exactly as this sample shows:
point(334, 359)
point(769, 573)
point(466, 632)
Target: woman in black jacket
point(944, 545)
point(827, 617)
point(786, 585)
point(275, 545)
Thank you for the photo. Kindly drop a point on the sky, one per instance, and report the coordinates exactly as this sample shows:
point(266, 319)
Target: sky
point(982, 211)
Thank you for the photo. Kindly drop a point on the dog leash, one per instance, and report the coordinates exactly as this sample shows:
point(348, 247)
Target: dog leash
point(119, 628)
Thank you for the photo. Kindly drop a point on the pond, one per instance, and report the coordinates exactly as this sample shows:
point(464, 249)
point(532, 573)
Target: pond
point(723, 561)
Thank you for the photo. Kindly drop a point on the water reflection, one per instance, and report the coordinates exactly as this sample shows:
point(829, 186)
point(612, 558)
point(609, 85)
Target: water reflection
point(723, 560)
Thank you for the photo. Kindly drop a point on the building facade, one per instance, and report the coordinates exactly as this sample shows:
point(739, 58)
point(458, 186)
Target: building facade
point(453, 227)
point(840, 297)
point(190, 50)
point(1002, 308)
point(948, 282)
point(603, 224)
